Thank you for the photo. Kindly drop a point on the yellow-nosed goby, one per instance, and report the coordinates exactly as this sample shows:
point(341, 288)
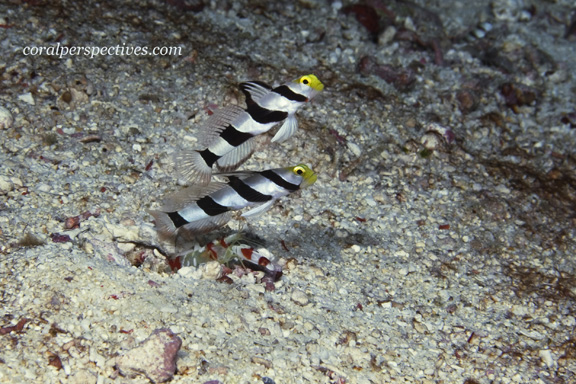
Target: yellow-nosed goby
point(226, 135)
point(200, 209)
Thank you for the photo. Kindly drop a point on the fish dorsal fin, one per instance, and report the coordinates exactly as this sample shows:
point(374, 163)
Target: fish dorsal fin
point(237, 174)
point(287, 130)
point(181, 199)
point(259, 209)
point(215, 124)
point(255, 90)
point(232, 160)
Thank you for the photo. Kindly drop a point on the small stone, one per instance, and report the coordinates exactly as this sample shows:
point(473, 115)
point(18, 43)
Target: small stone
point(467, 100)
point(27, 98)
point(356, 248)
point(300, 297)
point(354, 148)
point(409, 24)
point(379, 197)
point(430, 141)
point(387, 36)
point(123, 232)
point(6, 118)
point(155, 357)
point(211, 270)
point(547, 358)
point(79, 97)
point(6, 185)
point(82, 377)
point(258, 360)
point(534, 335)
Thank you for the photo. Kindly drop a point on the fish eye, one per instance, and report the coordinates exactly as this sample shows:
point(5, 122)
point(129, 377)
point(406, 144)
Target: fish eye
point(305, 80)
point(298, 170)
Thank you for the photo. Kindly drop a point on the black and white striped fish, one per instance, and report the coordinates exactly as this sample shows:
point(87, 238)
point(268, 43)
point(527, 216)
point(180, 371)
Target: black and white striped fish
point(227, 134)
point(200, 209)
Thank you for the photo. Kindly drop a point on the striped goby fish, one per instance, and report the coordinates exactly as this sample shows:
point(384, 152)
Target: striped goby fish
point(226, 135)
point(200, 209)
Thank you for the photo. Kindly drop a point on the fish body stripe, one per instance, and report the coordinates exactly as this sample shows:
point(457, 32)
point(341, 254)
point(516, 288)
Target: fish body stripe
point(210, 207)
point(234, 137)
point(209, 157)
point(286, 92)
point(278, 180)
point(178, 220)
point(265, 116)
point(248, 98)
point(247, 192)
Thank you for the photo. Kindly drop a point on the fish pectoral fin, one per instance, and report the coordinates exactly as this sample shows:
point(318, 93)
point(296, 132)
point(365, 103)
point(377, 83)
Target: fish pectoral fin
point(287, 130)
point(215, 124)
point(191, 167)
point(164, 226)
point(206, 225)
point(232, 160)
point(259, 209)
point(255, 90)
point(183, 198)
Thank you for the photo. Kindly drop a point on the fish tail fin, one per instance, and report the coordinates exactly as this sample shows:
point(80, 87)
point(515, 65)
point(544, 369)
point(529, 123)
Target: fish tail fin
point(164, 225)
point(192, 168)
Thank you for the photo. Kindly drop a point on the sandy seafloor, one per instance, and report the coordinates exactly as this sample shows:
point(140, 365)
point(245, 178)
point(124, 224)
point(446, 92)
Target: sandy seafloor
point(413, 259)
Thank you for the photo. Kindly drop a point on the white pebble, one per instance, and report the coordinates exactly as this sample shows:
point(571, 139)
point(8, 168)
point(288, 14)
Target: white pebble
point(502, 189)
point(354, 148)
point(379, 197)
point(300, 297)
point(190, 272)
point(27, 98)
point(430, 141)
point(6, 184)
point(43, 188)
point(211, 270)
point(6, 118)
point(123, 232)
point(169, 308)
point(547, 358)
point(409, 24)
point(534, 335)
point(387, 36)
point(568, 321)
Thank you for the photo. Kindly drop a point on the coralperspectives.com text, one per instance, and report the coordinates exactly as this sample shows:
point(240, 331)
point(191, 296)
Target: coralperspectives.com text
point(92, 51)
